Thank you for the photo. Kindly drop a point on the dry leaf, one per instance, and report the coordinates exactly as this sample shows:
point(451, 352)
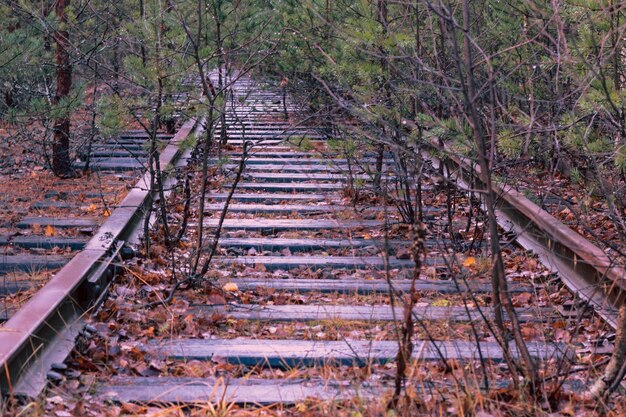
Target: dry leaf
point(215, 299)
point(90, 208)
point(470, 261)
point(50, 231)
point(522, 299)
point(231, 287)
point(130, 408)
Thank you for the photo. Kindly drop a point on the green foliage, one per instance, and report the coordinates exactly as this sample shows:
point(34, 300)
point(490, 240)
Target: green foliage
point(620, 158)
point(575, 176)
point(553, 84)
point(302, 143)
point(111, 111)
point(510, 144)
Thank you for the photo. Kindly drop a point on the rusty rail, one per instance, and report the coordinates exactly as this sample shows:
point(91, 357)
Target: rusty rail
point(43, 331)
point(584, 268)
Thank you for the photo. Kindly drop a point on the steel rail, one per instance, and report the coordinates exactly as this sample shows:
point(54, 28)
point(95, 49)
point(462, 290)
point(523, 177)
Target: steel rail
point(585, 269)
point(43, 331)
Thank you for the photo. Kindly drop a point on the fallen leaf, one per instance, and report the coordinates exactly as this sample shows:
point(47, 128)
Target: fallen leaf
point(50, 231)
point(470, 261)
point(130, 408)
point(431, 272)
point(216, 299)
point(90, 208)
point(230, 287)
point(522, 299)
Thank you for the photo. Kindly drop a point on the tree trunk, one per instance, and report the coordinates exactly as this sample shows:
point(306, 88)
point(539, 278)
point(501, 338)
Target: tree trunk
point(142, 13)
point(61, 164)
point(385, 79)
point(8, 99)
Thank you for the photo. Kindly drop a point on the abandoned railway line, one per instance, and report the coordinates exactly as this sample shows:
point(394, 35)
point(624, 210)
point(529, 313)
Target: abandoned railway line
point(299, 301)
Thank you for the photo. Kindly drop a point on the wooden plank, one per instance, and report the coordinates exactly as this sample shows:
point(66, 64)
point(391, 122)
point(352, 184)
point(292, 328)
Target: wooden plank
point(256, 123)
point(294, 161)
point(288, 187)
point(300, 245)
point(279, 166)
point(278, 208)
point(272, 263)
point(265, 392)
point(261, 152)
point(367, 313)
point(300, 285)
point(429, 212)
point(64, 195)
point(256, 142)
point(60, 222)
point(245, 391)
point(297, 177)
point(272, 197)
point(45, 205)
point(124, 141)
point(114, 165)
point(43, 242)
point(265, 109)
point(30, 263)
point(271, 148)
point(288, 224)
point(270, 132)
point(257, 136)
point(273, 142)
point(305, 353)
point(10, 286)
point(119, 147)
point(259, 123)
point(121, 161)
point(144, 135)
point(262, 121)
point(119, 153)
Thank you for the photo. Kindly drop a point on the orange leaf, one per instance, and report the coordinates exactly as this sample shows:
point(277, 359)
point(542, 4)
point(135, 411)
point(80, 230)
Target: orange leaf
point(230, 287)
point(50, 231)
point(471, 261)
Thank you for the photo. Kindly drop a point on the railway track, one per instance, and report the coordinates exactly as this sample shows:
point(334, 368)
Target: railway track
point(41, 331)
point(299, 302)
